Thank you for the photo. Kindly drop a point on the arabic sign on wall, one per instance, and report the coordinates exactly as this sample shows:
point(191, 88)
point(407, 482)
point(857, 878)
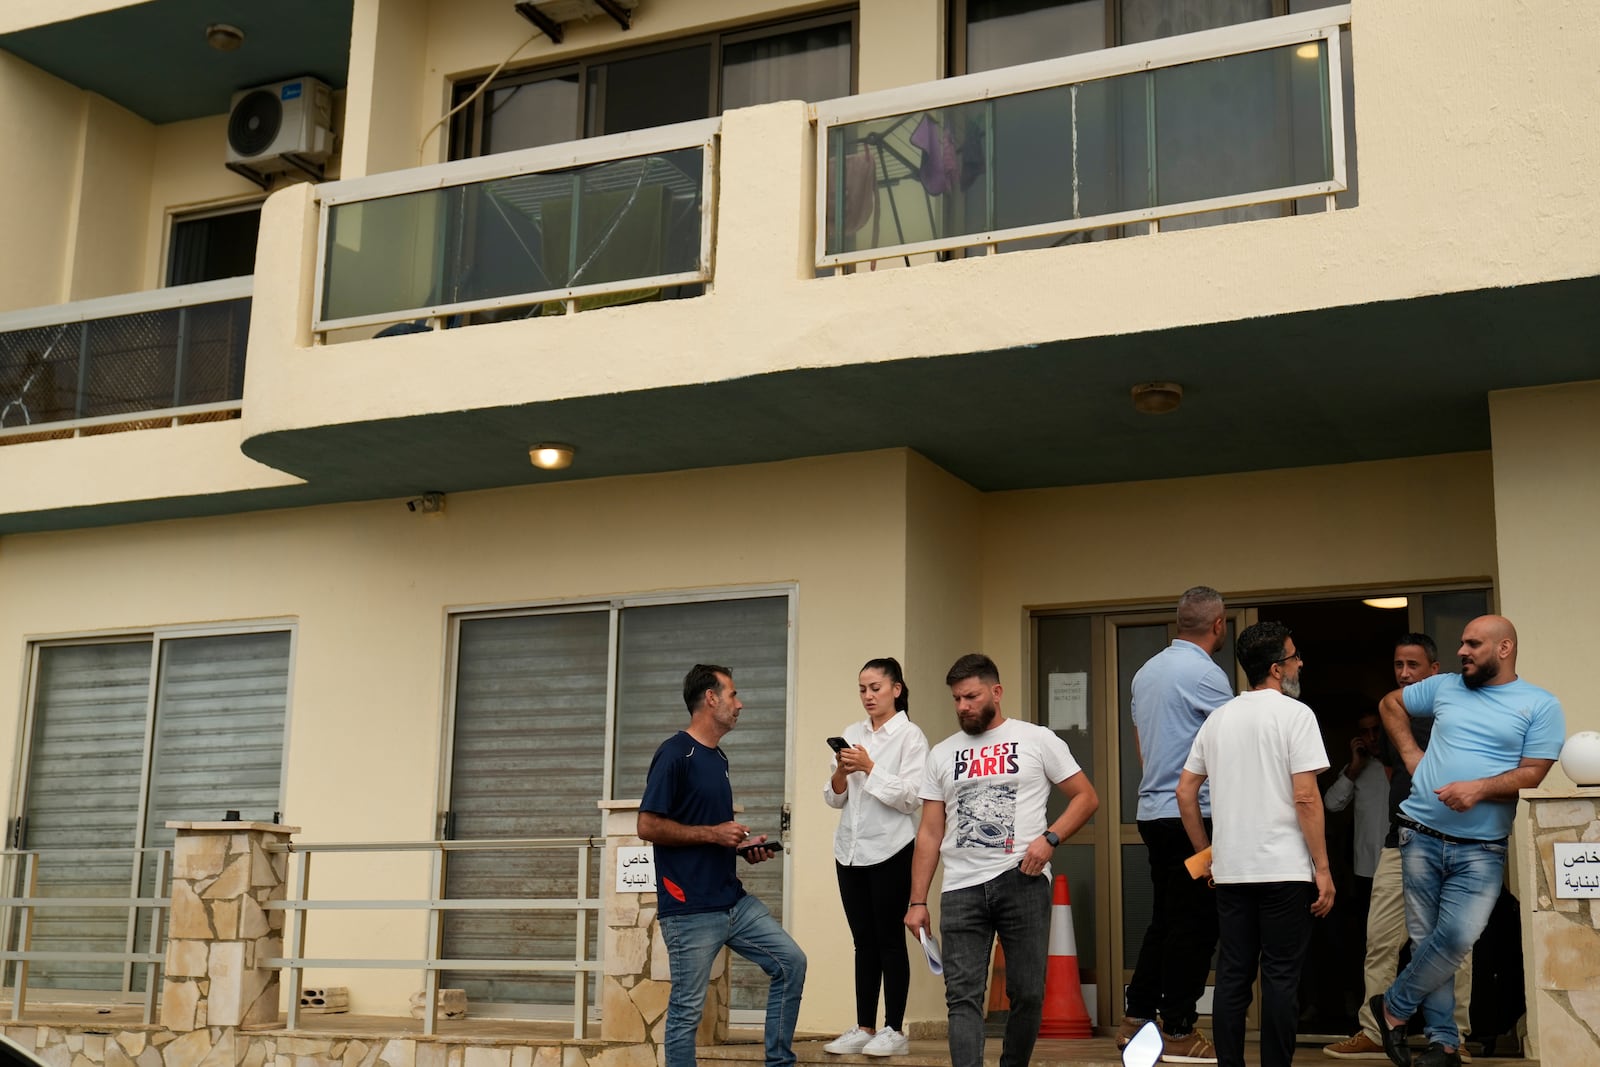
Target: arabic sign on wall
point(1577, 870)
point(636, 869)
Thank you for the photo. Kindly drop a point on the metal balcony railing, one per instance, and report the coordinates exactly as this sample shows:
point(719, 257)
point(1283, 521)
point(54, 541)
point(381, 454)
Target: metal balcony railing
point(583, 905)
point(574, 222)
point(1222, 120)
point(63, 931)
point(134, 361)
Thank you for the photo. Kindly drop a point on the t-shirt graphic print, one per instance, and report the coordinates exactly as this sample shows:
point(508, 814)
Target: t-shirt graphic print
point(986, 817)
point(993, 787)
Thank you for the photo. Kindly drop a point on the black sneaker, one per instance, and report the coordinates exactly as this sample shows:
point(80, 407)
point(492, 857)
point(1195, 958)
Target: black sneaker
point(1393, 1038)
point(1436, 1056)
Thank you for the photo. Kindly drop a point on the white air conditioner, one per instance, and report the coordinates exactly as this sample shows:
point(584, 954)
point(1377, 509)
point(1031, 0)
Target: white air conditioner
point(283, 126)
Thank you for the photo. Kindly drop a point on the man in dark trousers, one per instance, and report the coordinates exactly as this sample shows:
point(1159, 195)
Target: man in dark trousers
point(1172, 695)
point(687, 813)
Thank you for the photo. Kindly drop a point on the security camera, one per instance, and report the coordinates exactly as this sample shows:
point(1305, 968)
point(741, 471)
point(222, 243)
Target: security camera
point(431, 503)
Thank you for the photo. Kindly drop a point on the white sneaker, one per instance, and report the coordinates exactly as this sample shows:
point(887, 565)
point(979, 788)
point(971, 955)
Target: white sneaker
point(887, 1042)
point(851, 1041)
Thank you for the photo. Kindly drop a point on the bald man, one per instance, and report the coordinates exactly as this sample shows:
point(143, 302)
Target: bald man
point(1493, 734)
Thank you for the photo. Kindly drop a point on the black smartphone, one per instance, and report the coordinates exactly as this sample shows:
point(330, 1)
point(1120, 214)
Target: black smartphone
point(774, 846)
point(838, 744)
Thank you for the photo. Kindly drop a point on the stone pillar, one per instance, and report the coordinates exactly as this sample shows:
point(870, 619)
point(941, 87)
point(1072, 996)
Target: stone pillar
point(637, 979)
point(1562, 938)
point(219, 932)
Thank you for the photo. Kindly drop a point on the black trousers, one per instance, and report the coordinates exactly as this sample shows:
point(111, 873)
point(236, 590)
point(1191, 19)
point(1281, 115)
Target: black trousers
point(1266, 924)
point(875, 900)
point(1175, 957)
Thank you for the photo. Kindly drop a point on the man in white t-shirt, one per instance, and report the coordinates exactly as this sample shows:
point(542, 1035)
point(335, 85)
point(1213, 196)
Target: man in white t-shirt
point(983, 812)
point(1262, 752)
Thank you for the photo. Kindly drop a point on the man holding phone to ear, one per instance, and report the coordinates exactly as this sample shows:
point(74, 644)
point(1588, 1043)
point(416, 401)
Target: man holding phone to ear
point(687, 813)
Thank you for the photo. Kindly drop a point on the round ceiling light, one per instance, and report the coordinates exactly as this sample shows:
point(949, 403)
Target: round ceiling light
point(1157, 398)
point(223, 37)
point(550, 456)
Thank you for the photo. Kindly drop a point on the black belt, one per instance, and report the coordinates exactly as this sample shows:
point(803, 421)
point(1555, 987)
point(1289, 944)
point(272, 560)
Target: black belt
point(1412, 824)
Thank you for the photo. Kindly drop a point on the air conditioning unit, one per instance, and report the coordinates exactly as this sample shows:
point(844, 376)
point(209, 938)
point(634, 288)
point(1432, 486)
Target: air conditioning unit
point(284, 126)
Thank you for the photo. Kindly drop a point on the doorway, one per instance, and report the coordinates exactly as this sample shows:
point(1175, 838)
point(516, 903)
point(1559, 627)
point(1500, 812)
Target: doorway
point(1348, 643)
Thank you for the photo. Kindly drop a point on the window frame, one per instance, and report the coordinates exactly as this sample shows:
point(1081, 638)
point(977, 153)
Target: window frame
point(467, 125)
point(181, 215)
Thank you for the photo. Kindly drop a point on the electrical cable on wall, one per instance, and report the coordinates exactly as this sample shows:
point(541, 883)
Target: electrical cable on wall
point(448, 115)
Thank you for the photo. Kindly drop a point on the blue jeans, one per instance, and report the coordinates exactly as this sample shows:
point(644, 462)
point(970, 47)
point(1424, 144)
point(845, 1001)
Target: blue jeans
point(1016, 907)
point(1450, 890)
point(748, 928)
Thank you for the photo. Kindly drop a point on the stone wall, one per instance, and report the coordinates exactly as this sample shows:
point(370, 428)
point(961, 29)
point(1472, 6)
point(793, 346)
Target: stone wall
point(1564, 948)
point(220, 1046)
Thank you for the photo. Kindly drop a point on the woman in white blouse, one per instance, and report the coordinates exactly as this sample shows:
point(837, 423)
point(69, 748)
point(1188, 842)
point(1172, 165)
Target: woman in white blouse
point(874, 785)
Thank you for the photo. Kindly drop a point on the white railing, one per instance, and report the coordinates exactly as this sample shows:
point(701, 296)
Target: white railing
point(25, 870)
point(582, 219)
point(582, 904)
point(134, 357)
point(1129, 135)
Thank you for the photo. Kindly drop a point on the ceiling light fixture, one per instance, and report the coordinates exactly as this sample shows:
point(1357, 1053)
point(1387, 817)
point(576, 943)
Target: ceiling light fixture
point(550, 456)
point(223, 37)
point(1157, 398)
point(1386, 602)
point(1309, 51)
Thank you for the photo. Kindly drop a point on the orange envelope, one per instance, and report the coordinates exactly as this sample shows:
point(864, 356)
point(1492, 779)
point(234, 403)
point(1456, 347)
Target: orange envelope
point(1199, 864)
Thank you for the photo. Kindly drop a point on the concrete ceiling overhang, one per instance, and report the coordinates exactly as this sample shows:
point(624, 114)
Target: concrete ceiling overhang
point(1340, 385)
point(152, 58)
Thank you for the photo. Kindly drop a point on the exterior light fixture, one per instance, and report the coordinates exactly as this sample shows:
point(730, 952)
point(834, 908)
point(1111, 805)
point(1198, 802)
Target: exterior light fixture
point(223, 37)
point(550, 456)
point(1386, 602)
point(1157, 398)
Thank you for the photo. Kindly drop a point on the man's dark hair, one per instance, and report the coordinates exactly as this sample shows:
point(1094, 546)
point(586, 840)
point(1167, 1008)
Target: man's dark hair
point(702, 679)
point(1259, 647)
point(1422, 641)
point(973, 665)
point(889, 667)
point(1198, 608)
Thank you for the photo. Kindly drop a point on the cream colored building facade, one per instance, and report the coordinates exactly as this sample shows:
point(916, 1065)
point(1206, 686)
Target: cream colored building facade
point(1400, 396)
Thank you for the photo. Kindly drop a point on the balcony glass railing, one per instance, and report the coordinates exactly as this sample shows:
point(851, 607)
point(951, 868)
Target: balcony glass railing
point(136, 361)
point(605, 216)
point(1225, 119)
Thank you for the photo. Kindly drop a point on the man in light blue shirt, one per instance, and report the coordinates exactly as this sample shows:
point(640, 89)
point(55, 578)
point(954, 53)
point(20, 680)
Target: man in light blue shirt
point(1493, 734)
point(1172, 695)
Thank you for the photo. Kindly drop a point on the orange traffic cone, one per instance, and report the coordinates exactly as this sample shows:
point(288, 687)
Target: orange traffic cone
point(1064, 1013)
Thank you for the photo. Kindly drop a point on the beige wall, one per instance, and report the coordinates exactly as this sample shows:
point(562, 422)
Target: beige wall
point(113, 201)
point(1310, 529)
point(369, 587)
point(1547, 512)
point(36, 212)
point(385, 116)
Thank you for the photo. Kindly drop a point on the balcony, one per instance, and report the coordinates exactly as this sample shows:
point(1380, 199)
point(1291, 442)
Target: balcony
point(550, 230)
point(162, 358)
point(1229, 121)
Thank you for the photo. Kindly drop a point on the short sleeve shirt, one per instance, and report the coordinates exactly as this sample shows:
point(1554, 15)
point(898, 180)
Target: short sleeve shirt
point(1477, 733)
point(994, 787)
point(1172, 695)
point(689, 783)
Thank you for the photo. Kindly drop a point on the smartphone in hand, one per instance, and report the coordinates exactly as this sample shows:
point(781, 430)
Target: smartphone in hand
point(838, 744)
point(772, 846)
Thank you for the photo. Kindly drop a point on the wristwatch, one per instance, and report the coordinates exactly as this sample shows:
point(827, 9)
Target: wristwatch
point(1052, 837)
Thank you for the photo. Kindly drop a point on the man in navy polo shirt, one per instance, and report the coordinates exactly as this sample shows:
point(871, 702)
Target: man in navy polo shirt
point(687, 813)
point(1493, 734)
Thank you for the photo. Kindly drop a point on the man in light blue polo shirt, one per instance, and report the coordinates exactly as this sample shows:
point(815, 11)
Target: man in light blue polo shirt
point(1493, 734)
point(1172, 695)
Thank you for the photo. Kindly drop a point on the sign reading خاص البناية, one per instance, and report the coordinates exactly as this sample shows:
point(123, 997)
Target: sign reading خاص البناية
point(636, 869)
point(1577, 869)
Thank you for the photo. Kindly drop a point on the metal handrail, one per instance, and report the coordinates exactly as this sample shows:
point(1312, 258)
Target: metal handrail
point(295, 961)
point(1323, 24)
point(18, 912)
